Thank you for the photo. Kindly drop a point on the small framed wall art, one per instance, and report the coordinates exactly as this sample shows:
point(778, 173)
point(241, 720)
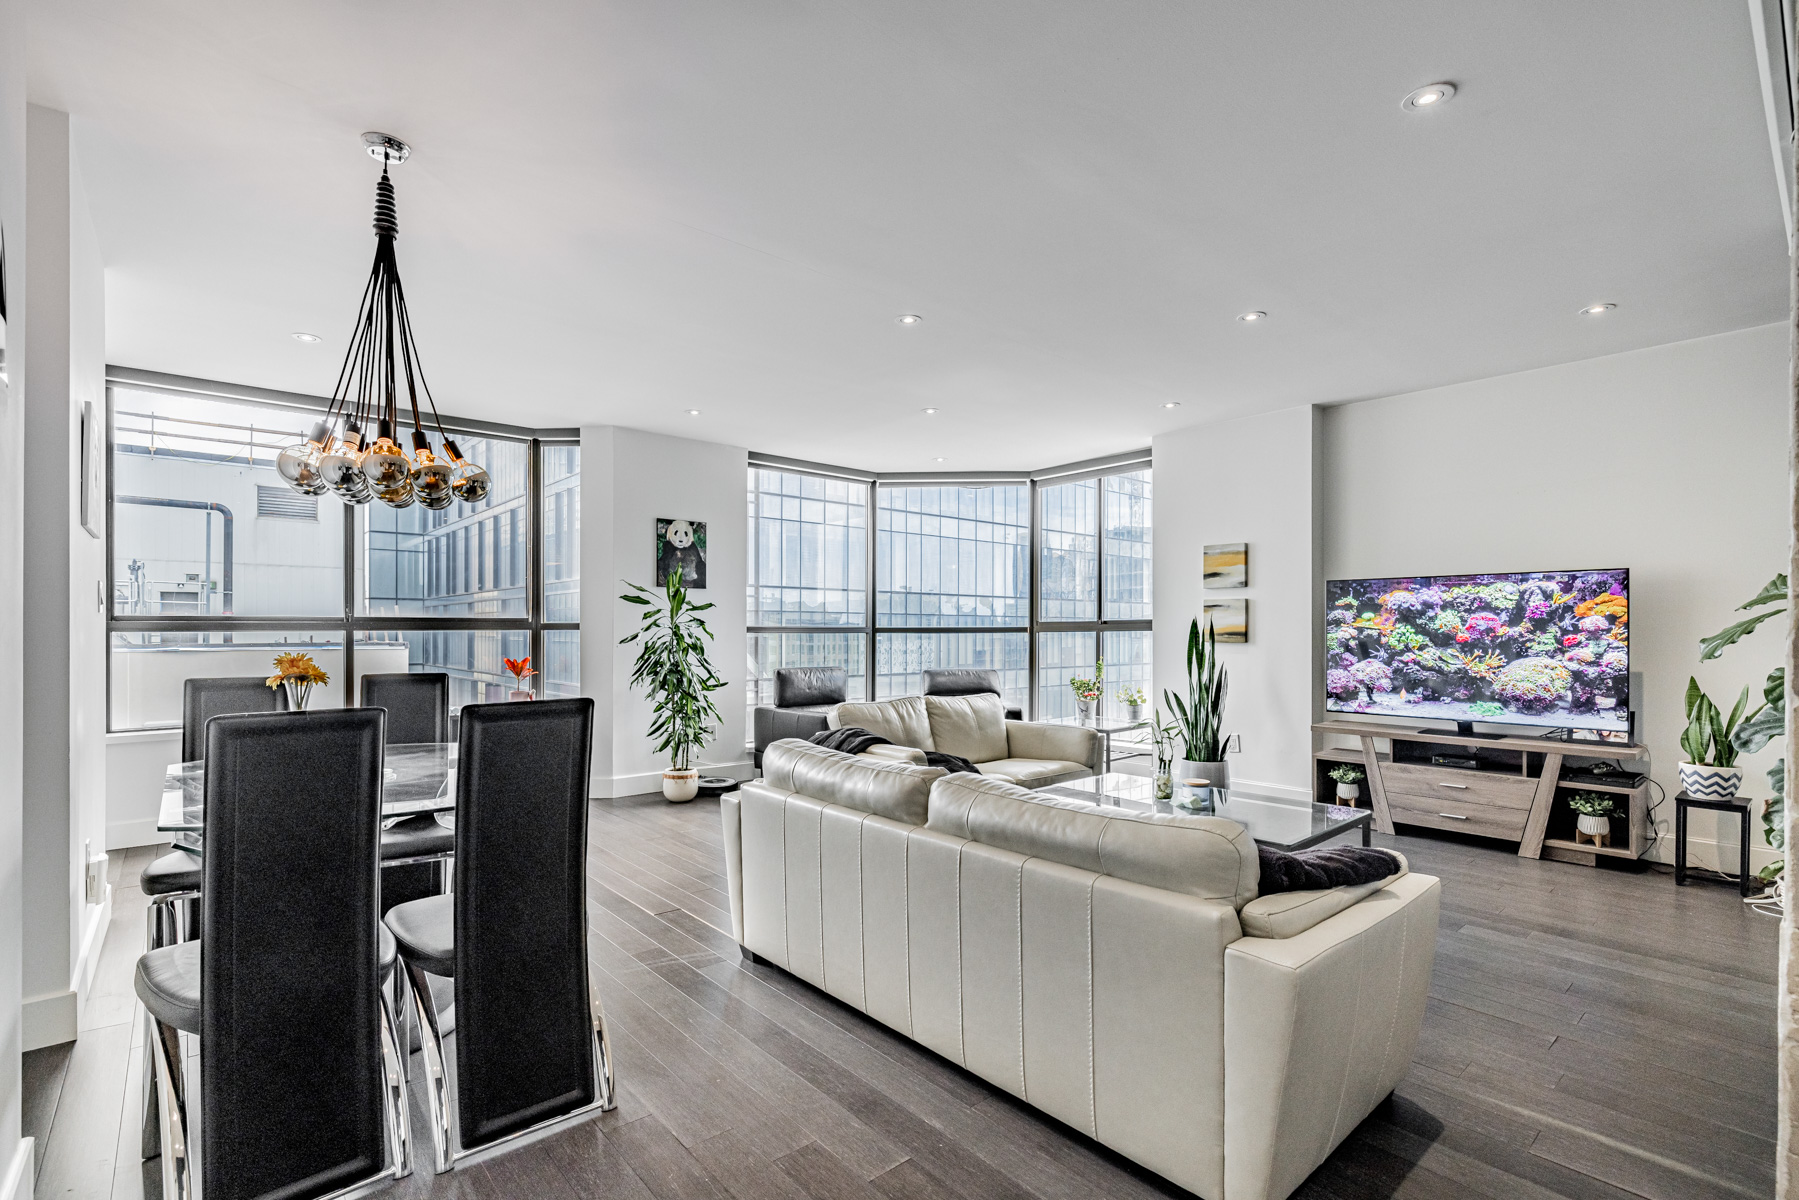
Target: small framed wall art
point(681, 547)
point(1229, 619)
point(1227, 566)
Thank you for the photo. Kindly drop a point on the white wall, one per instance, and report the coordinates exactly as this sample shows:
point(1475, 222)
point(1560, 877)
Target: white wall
point(1248, 480)
point(63, 661)
point(1671, 461)
point(628, 479)
point(15, 1154)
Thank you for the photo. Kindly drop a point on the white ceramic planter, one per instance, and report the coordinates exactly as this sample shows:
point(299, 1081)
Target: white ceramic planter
point(1216, 774)
point(679, 787)
point(516, 695)
point(1710, 783)
point(1349, 793)
point(1587, 823)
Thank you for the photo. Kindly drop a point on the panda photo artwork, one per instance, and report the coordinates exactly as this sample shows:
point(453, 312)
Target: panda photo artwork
point(681, 546)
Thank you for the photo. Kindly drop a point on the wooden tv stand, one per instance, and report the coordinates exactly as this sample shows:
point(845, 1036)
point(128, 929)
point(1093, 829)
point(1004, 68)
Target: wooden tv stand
point(1510, 795)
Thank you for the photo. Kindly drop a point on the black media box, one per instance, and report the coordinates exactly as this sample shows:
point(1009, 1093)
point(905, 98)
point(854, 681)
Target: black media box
point(1455, 760)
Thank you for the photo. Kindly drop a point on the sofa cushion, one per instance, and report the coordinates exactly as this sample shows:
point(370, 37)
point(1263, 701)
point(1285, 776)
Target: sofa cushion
point(971, 727)
point(797, 687)
point(888, 752)
point(1207, 857)
point(1035, 772)
point(897, 791)
point(1286, 914)
point(902, 722)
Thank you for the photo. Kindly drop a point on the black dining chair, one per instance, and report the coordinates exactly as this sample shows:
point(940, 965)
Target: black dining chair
point(414, 850)
point(301, 1088)
point(172, 881)
point(530, 1040)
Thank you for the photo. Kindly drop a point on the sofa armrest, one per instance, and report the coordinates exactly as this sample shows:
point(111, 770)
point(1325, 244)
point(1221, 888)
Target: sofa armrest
point(1318, 1029)
point(1288, 914)
point(899, 754)
point(1058, 743)
point(731, 814)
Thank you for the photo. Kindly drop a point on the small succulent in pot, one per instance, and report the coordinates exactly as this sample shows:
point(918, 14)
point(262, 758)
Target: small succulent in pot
point(1132, 699)
point(1349, 781)
point(1593, 816)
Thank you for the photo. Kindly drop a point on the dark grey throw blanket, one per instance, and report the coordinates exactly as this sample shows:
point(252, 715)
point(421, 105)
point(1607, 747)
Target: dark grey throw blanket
point(852, 740)
point(1316, 870)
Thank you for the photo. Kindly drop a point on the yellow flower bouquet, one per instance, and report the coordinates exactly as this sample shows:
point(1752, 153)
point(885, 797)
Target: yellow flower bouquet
point(299, 673)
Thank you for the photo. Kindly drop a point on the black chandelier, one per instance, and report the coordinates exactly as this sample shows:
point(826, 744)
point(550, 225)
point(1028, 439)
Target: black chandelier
point(382, 352)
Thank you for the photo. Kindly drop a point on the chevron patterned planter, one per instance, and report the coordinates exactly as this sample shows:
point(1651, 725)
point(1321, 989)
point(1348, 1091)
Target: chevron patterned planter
point(1710, 783)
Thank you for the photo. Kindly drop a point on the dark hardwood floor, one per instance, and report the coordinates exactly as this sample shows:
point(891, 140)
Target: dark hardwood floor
point(1591, 1034)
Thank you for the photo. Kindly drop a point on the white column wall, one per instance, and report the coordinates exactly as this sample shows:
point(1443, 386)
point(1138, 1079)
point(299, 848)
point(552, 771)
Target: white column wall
point(63, 663)
point(629, 478)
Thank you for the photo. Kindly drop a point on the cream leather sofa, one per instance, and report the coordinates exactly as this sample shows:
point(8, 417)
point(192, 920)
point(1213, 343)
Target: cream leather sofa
point(1028, 753)
point(1116, 971)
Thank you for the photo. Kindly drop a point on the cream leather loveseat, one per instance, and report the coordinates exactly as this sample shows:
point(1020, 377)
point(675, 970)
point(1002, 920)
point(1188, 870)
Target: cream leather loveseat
point(1115, 971)
point(1028, 753)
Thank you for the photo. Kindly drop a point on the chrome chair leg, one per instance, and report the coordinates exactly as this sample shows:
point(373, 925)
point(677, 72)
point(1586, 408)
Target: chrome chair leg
point(399, 1114)
point(151, 1145)
point(177, 1168)
point(436, 1083)
point(602, 1060)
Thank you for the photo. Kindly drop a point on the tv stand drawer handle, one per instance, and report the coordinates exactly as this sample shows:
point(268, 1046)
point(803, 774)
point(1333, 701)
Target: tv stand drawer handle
point(1462, 786)
point(1453, 816)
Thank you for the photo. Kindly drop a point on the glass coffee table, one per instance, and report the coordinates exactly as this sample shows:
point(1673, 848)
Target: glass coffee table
point(1277, 824)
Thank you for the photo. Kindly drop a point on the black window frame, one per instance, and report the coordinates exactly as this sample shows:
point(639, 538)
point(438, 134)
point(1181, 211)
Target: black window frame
point(1036, 481)
point(350, 622)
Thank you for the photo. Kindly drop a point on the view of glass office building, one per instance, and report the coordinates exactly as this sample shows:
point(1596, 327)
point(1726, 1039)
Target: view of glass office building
point(203, 527)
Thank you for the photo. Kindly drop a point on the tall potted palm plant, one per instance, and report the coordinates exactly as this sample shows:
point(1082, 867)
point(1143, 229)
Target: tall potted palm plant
point(672, 668)
point(1200, 717)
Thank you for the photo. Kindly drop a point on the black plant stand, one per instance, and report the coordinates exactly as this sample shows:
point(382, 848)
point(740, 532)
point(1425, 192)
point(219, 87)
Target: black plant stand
point(1736, 804)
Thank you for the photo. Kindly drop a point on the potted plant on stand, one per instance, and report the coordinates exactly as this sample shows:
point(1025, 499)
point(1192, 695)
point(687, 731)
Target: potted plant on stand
point(1132, 699)
point(1710, 771)
point(1349, 782)
point(1088, 691)
point(521, 671)
point(1592, 817)
point(1200, 717)
point(673, 669)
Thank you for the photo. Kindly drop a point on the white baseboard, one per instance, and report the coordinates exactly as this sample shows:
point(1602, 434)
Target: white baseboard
point(1711, 855)
point(53, 1018)
point(48, 1020)
point(1274, 791)
point(605, 787)
point(18, 1180)
point(142, 831)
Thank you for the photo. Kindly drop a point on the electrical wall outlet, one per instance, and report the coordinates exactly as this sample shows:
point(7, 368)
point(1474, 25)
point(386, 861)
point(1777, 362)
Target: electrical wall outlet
point(1235, 745)
point(96, 874)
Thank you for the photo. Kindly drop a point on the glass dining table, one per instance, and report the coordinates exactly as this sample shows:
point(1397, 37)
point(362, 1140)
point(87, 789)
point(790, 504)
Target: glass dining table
point(418, 778)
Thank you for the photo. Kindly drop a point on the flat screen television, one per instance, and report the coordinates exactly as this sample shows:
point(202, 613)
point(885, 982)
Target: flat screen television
point(1543, 648)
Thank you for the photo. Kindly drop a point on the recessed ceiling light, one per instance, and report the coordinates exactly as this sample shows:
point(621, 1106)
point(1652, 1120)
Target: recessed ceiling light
point(1431, 95)
point(930, 412)
point(908, 318)
point(1252, 316)
point(1172, 404)
point(693, 412)
point(307, 337)
point(1594, 310)
point(939, 460)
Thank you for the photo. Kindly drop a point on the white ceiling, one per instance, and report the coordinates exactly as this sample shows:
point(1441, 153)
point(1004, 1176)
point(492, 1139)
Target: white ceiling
point(618, 211)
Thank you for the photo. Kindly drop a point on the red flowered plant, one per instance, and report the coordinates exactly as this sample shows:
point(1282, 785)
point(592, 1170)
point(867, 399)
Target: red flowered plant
point(520, 668)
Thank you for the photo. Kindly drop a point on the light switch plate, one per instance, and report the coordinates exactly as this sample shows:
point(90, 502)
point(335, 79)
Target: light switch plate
point(96, 874)
point(1235, 746)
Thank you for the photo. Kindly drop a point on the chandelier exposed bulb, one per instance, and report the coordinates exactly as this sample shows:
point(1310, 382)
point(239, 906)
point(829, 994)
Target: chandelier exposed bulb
point(298, 465)
point(386, 466)
point(341, 468)
point(468, 481)
point(431, 479)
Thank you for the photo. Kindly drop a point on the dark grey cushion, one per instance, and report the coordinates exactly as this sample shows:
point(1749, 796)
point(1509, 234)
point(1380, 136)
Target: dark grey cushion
point(173, 873)
point(168, 980)
point(796, 687)
point(967, 681)
point(417, 837)
point(426, 932)
point(774, 724)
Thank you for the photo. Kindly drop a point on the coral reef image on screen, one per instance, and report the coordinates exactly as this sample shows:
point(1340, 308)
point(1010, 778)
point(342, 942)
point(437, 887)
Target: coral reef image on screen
point(1550, 648)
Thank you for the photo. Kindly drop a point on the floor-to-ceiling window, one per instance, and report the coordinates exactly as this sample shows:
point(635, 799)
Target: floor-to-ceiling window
point(807, 602)
point(216, 565)
point(1035, 577)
